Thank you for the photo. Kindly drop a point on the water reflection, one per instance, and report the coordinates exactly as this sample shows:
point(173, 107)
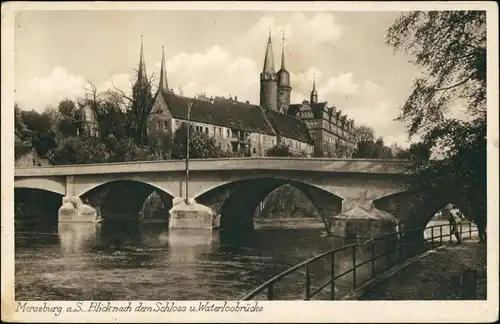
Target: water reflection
point(130, 261)
point(188, 245)
point(75, 238)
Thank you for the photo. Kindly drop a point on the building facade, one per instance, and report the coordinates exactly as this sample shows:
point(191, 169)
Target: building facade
point(310, 128)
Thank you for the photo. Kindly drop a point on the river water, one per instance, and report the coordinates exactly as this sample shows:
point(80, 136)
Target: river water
point(130, 261)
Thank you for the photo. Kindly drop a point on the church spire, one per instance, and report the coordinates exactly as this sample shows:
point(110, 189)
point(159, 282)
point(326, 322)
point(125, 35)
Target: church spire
point(314, 93)
point(283, 51)
point(163, 86)
point(142, 65)
point(269, 59)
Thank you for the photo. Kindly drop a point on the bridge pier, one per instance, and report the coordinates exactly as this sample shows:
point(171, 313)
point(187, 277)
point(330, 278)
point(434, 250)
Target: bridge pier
point(74, 210)
point(191, 215)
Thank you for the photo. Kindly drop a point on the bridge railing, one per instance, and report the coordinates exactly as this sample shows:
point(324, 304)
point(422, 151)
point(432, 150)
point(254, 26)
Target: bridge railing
point(342, 270)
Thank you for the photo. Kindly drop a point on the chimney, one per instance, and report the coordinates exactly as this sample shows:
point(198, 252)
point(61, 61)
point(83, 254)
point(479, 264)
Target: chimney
point(235, 98)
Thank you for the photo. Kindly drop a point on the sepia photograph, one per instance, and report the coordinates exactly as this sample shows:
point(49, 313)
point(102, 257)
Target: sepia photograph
point(170, 158)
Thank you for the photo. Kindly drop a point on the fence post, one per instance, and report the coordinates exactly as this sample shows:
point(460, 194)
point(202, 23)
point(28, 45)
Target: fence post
point(451, 234)
point(332, 284)
point(441, 234)
point(354, 266)
point(432, 236)
point(373, 259)
point(401, 257)
point(469, 279)
point(461, 230)
point(308, 283)
point(270, 292)
point(388, 242)
point(470, 230)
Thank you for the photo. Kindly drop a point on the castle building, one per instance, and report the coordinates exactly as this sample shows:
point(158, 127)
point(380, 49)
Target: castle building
point(310, 128)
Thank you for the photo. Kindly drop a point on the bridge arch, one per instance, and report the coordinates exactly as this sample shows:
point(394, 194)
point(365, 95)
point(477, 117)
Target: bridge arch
point(85, 188)
point(124, 199)
point(415, 209)
point(54, 185)
point(291, 179)
point(236, 201)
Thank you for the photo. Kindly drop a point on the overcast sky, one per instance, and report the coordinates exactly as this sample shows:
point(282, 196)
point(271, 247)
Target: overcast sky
point(219, 53)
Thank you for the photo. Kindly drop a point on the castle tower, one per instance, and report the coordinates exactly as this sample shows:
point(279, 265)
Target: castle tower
point(269, 80)
point(314, 93)
point(284, 88)
point(163, 85)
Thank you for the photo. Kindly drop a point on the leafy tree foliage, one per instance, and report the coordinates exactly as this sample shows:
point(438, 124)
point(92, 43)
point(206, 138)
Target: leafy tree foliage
point(279, 150)
point(201, 145)
point(373, 150)
point(416, 151)
point(451, 47)
point(364, 134)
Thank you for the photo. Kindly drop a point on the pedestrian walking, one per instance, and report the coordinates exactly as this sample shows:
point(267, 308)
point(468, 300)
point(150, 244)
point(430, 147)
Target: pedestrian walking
point(454, 217)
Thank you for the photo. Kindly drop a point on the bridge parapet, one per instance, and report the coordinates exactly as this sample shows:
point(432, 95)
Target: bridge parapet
point(257, 163)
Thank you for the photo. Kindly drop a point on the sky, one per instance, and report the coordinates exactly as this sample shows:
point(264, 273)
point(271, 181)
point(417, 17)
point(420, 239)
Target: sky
point(219, 53)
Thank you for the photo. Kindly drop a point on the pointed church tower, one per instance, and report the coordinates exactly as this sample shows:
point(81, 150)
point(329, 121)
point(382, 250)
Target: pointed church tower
point(163, 85)
point(141, 72)
point(143, 102)
point(284, 87)
point(269, 80)
point(314, 93)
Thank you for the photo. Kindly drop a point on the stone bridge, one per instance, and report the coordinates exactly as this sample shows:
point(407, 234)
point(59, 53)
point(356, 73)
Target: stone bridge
point(332, 185)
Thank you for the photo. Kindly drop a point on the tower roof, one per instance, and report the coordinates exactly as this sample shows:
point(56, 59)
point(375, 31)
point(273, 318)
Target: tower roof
point(314, 92)
point(283, 68)
point(142, 64)
point(86, 115)
point(283, 75)
point(269, 59)
point(163, 86)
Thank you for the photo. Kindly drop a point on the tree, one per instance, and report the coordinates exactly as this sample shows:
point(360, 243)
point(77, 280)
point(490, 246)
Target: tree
point(139, 107)
point(67, 109)
point(201, 146)
point(451, 47)
point(279, 150)
point(417, 151)
point(364, 134)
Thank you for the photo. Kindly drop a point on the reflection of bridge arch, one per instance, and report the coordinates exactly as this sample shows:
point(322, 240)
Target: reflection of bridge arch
point(123, 198)
point(236, 201)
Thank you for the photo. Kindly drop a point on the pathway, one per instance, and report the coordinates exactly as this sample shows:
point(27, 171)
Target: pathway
point(435, 277)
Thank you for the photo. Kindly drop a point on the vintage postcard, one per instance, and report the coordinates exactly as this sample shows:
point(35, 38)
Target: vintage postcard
point(249, 162)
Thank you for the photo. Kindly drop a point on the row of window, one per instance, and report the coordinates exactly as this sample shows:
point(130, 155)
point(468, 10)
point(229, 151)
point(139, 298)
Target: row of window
point(159, 125)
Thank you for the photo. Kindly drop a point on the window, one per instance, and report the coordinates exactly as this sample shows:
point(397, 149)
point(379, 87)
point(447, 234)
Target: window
point(158, 125)
point(165, 125)
point(220, 132)
point(228, 133)
point(254, 151)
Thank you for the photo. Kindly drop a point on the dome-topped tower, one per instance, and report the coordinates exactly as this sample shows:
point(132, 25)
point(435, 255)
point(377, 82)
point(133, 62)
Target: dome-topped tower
point(314, 93)
point(86, 122)
point(284, 88)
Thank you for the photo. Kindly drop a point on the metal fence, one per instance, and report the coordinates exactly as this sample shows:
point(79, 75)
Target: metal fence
point(342, 270)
